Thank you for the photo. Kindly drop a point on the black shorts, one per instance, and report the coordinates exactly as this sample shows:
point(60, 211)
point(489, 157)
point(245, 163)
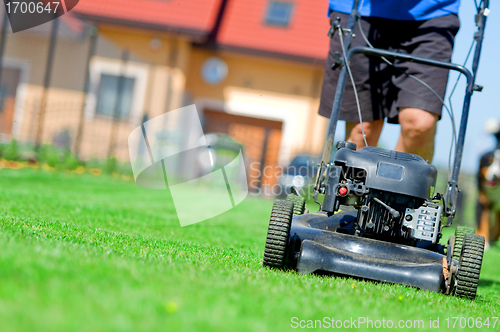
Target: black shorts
point(383, 89)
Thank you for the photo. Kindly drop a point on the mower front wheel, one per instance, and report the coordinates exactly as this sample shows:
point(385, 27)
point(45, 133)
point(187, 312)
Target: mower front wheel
point(278, 233)
point(459, 238)
point(469, 268)
point(299, 204)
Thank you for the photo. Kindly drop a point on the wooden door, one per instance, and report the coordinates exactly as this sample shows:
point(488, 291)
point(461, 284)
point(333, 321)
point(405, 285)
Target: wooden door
point(8, 89)
point(261, 140)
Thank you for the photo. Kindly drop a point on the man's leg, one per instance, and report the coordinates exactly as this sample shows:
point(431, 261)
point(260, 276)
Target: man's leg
point(495, 230)
point(483, 209)
point(418, 128)
point(372, 130)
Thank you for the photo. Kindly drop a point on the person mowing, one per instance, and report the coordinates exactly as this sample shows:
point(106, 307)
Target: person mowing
point(424, 28)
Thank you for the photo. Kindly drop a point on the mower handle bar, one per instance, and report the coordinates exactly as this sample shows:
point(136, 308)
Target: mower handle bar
point(401, 56)
point(452, 191)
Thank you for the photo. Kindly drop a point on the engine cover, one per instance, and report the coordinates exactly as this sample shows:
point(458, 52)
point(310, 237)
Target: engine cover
point(391, 171)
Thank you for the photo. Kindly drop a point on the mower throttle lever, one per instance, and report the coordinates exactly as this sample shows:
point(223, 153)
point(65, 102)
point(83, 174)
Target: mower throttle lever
point(334, 27)
point(338, 62)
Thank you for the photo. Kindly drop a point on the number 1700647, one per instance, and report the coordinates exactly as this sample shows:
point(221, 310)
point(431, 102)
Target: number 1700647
point(24, 7)
point(471, 322)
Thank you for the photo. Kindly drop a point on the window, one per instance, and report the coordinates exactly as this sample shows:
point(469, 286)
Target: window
point(102, 97)
point(107, 96)
point(279, 13)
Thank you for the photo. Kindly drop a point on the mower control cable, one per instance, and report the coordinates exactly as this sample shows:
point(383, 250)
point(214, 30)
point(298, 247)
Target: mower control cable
point(353, 84)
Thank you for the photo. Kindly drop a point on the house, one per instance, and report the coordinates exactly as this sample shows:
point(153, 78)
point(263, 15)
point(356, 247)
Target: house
point(253, 68)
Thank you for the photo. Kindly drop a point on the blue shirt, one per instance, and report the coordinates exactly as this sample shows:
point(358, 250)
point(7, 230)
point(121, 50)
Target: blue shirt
point(403, 10)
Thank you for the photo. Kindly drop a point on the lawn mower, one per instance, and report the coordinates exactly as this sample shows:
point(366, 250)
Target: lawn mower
point(380, 218)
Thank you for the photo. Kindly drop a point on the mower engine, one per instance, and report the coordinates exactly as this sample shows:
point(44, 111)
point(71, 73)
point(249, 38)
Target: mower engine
point(391, 190)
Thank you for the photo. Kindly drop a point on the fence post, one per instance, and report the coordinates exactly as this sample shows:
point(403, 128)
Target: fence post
point(267, 132)
point(173, 56)
point(46, 83)
point(2, 45)
point(93, 32)
point(118, 104)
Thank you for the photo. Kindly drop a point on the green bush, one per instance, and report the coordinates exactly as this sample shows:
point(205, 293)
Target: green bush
point(61, 159)
point(71, 162)
point(12, 151)
point(111, 165)
point(51, 156)
point(126, 169)
point(93, 163)
point(2, 150)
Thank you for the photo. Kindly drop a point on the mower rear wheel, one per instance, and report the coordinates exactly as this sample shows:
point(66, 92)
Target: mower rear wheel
point(299, 204)
point(278, 233)
point(471, 259)
point(459, 238)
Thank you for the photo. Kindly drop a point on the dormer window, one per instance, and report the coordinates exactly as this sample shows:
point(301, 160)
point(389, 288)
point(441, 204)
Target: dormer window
point(279, 13)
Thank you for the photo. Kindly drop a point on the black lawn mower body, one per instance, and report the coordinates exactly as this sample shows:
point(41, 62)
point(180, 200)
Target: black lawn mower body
point(380, 218)
point(357, 234)
point(321, 250)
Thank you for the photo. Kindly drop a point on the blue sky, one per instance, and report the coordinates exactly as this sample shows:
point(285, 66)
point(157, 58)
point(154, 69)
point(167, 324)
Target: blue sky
point(484, 104)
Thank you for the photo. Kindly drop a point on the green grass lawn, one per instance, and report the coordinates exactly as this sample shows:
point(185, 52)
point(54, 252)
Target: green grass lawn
point(91, 253)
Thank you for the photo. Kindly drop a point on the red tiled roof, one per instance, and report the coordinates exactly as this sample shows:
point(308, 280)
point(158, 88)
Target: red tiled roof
point(243, 27)
point(196, 16)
